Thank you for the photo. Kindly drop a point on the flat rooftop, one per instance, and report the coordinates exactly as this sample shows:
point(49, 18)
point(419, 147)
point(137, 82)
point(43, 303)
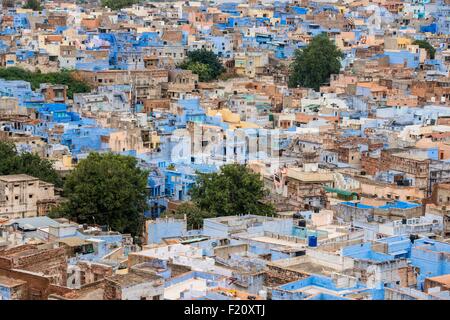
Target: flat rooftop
point(445, 279)
point(173, 292)
point(313, 290)
point(333, 231)
point(279, 242)
point(233, 220)
point(389, 205)
point(131, 279)
point(17, 178)
point(312, 268)
point(94, 294)
point(10, 282)
point(406, 155)
point(89, 292)
point(36, 222)
point(299, 174)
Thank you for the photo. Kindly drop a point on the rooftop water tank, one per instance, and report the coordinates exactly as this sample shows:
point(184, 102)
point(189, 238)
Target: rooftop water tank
point(312, 241)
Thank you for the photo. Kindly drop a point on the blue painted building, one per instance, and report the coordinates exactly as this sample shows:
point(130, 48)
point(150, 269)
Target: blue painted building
point(164, 228)
point(311, 286)
point(412, 59)
point(430, 257)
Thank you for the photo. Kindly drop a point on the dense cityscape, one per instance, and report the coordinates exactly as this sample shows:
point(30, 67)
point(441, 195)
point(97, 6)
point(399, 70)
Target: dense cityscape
point(225, 150)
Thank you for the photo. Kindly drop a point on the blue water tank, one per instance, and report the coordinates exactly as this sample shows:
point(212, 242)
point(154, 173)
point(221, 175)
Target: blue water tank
point(312, 241)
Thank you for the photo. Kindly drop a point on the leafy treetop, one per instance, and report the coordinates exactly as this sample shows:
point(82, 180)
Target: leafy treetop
point(204, 63)
point(107, 189)
point(232, 191)
point(64, 77)
point(194, 215)
point(313, 65)
point(118, 4)
point(426, 45)
point(34, 5)
point(26, 163)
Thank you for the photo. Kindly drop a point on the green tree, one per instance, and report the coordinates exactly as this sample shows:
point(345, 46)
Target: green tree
point(194, 215)
point(33, 165)
point(64, 77)
point(34, 5)
point(118, 4)
point(232, 191)
point(26, 163)
point(107, 189)
point(426, 45)
point(204, 63)
point(313, 65)
point(8, 157)
point(202, 69)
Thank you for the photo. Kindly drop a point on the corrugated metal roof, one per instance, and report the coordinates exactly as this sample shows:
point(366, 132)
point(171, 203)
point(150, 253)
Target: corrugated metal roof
point(37, 222)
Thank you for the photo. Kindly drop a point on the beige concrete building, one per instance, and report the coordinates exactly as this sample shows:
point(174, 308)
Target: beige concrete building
point(24, 196)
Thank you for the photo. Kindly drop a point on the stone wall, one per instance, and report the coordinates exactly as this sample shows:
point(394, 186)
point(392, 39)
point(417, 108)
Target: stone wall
point(112, 291)
point(284, 275)
point(49, 262)
point(93, 272)
point(37, 287)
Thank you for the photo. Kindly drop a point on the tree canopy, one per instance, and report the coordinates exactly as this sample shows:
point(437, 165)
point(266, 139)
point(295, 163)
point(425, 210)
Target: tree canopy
point(204, 63)
point(34, 5)
point(26, 163)
point(194, 215)
point(64, 77)
point(313, 65)
point(107, 189)
point(118, 4)
point(426, 45)
point(232, 191)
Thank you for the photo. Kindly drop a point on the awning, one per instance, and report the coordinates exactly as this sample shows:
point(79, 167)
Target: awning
point(340, 191)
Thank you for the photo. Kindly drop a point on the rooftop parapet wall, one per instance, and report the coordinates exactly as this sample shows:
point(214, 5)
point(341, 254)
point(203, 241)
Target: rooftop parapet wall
point(284, 274)
point(348, 211)
point(432, 260)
